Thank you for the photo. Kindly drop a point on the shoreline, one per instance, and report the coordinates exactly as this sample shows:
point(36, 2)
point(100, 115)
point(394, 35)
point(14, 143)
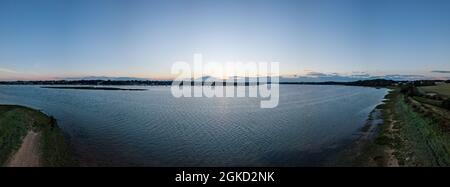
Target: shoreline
point(31, 138)
point(356, 154)
point(407, 136)
point(366, 151)
point(366, 111)
point(400, 131)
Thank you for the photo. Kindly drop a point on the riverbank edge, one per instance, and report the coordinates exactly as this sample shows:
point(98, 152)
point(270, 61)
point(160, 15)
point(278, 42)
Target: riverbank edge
point(407, 136)
point(54, 148)
point(367, 151)
point(357, 152)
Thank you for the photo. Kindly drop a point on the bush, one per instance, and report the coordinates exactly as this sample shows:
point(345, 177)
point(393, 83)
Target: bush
point(446, 104)
point(409, 90)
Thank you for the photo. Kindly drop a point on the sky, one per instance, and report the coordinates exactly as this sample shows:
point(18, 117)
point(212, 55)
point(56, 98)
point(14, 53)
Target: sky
point(51, 39)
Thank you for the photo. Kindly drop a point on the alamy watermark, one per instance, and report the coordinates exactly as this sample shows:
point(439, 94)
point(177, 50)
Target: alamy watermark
point(231, 79)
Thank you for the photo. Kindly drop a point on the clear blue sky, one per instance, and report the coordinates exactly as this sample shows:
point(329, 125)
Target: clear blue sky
point(67, 38)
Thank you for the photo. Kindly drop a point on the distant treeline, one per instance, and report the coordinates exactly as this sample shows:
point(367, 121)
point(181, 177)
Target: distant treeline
point(369, 83)
point(89, 82)
point(410, 89)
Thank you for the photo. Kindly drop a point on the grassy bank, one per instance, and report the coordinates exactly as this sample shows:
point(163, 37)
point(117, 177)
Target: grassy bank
point(412, 134)
point(16, 121)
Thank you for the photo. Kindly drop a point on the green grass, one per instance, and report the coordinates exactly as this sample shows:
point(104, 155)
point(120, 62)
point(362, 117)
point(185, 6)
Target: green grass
point(55, 151)
point(441, 89)
point(428, 101)
point(420, 141)
point(15, 121)
point(415, 137)
point(14, 124)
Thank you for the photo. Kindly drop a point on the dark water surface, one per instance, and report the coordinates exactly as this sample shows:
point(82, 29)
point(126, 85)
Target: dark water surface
point(152, 128)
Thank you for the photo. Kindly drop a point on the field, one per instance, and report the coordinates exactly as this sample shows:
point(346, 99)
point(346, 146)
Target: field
point(440, 89)
point(419, 139)
point(17, 121)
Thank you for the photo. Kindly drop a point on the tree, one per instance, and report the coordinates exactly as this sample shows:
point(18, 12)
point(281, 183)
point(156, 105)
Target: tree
point(446, 104)
point(408, 90)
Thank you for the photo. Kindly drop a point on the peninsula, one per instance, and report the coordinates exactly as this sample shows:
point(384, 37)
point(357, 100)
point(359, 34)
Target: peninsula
point(29, 138)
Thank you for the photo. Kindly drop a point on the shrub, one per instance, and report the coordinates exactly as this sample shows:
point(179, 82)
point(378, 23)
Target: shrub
point(446, 104)
point(409, 90)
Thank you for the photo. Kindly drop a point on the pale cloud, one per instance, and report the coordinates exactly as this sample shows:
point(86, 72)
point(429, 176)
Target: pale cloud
point(7, 70)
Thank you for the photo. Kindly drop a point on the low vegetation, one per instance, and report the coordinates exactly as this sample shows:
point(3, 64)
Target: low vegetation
point(14, 126)
point(419, 137)
point(442, 89)
point(16, 121)
point(446, 104)
point(416, 129)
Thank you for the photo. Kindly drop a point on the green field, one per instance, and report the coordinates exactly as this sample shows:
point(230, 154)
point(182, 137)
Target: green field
point(411, 133)
point(16, 121)
point(428, 101)
point(441, 89)
point(419, 140)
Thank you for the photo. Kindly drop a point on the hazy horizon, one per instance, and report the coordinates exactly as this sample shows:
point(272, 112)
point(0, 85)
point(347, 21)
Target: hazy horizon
point(49, 39)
